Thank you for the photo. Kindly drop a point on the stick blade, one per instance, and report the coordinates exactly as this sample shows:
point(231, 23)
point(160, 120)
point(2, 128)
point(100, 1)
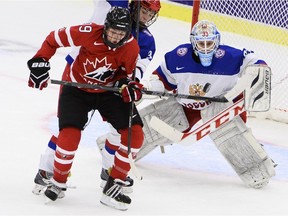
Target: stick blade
point(134, 168)
point(165, 130)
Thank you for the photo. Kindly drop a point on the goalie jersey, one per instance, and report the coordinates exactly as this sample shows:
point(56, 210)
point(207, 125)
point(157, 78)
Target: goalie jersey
point(182, 71)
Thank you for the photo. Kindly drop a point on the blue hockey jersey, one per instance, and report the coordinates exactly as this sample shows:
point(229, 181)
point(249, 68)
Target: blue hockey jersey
point(181, 72)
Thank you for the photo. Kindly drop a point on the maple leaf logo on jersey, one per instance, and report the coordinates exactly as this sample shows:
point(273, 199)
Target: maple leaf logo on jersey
point(101, 70)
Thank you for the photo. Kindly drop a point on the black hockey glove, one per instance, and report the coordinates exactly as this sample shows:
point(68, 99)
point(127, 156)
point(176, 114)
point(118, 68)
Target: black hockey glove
point(130, 90)
point(39, 75)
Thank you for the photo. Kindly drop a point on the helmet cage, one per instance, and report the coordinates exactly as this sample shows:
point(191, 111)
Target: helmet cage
point(205, 45)
point(205, 40)
point(122, 41)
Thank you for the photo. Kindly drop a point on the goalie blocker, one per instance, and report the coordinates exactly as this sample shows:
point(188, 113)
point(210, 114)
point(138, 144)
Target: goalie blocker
point(255, 82)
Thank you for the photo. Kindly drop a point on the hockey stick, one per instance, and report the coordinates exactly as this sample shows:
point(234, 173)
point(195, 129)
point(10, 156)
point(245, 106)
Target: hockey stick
point(155, 93)
point(211, 125)
point(193, 97)
point(84, 85)
point(131, 110)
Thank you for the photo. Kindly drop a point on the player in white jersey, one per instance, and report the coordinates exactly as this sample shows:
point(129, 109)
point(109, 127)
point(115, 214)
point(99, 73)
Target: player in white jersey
point(148, 14)
point(206, 68)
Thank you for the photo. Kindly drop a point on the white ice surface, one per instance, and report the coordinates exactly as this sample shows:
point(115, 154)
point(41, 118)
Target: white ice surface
point(194, 180)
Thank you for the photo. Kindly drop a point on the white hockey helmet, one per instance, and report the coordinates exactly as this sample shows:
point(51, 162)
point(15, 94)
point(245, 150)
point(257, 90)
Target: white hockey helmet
point(205, 40)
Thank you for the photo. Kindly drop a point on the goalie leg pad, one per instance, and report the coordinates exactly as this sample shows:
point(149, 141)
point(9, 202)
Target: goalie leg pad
point(249, 160)
point(240, 148)
point(168, 110)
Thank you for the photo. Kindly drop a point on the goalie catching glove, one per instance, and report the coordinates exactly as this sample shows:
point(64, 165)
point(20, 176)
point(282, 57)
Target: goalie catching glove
point(130, 90)
point(39, 75)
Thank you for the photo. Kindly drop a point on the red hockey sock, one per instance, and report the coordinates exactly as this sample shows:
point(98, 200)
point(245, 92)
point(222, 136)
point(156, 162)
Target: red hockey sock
point(67, 144)
point(121, 165)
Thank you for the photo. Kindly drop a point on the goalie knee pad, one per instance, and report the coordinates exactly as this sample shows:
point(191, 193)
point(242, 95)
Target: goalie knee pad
point(168, 110)
point(240, 148)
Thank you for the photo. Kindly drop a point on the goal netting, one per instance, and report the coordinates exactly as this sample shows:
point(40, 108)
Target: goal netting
point(261, 26)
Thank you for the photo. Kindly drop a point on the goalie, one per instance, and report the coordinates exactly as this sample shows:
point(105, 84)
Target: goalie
point(212, 70)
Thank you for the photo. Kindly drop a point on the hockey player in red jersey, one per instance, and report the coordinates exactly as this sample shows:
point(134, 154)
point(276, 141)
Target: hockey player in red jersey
point(107, 56)
point(149, 10)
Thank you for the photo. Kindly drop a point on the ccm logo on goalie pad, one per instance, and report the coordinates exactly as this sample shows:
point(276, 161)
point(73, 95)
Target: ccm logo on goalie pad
point(209, 126)
point(217, 121)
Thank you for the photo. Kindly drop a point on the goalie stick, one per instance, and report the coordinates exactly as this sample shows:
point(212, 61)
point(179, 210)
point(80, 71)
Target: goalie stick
point(206, 128)
point(115, 89)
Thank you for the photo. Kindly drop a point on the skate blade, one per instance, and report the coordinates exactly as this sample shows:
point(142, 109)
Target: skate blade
point(47, 200)
point(108, 201)
point(38, 189)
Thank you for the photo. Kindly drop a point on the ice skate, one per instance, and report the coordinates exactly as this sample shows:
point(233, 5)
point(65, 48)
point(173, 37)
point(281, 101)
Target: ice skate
point(42, 181)
point(54, 190)
point(113, 195)
point(128, 188)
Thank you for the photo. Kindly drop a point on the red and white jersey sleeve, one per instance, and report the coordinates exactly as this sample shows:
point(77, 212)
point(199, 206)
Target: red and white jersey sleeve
point(96, 63)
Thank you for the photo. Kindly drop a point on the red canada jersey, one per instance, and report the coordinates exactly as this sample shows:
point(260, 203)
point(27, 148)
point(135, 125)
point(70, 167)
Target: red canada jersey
point(96, 62)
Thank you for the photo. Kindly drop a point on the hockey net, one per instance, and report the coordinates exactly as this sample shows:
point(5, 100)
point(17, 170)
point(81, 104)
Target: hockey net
point(258, 25)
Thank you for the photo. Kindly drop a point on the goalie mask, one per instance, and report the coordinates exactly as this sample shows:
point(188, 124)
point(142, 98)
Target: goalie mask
point(149, 11)
point(205, 40)
point(117, 27)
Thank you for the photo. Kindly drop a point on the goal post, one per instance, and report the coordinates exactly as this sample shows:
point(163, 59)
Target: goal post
point(258, 25)
point(195, 12)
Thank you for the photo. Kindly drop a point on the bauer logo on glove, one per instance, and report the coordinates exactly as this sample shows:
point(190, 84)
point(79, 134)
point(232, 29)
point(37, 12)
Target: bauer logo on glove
point(39, 75)
point(130, 90)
